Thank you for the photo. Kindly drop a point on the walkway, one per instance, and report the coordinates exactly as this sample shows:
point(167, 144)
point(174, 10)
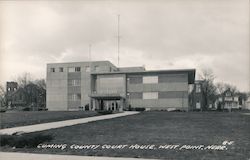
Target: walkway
point(59, 124)
point(29, 156)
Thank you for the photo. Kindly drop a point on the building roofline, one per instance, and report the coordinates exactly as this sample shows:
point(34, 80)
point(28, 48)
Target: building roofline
point(191, 73)
point(79, 62)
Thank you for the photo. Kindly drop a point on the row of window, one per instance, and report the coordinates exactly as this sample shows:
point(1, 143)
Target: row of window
point(162, 78)
point(157, 95)
point(75, 82)
point(75, 97)
point(144, 79)
point(143, 95)
point(74, 69)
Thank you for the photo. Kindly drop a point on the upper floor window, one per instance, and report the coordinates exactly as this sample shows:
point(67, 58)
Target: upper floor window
point(96, 68)
point(74, 69)
point(87, 69)
point(61, 69)
point(52, 69)
point(198, 88)
point(150, 79)
point(75, 97)
point(75, 82)
point(150, 95)
point(78, 69)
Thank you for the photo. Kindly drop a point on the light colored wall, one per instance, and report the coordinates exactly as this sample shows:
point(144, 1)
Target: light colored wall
point(57, 84)
point(56, 90)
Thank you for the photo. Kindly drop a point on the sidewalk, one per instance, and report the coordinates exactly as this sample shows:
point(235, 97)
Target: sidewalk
point(31, 156)
point(59, 124)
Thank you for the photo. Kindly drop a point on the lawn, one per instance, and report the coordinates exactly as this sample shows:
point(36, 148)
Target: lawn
point(156, 130)
point(14, 119)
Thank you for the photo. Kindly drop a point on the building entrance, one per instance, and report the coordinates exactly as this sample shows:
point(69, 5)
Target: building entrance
point(108, 103)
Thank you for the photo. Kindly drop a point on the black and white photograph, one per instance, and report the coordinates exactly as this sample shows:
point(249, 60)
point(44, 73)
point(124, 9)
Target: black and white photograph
point(124, 79)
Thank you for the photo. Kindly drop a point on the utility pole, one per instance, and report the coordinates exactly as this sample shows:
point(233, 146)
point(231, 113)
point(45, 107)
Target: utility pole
point(118, 40)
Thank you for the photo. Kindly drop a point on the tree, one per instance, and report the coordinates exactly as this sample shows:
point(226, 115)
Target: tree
point(220, 88)
point(24, 79)
point(208, 87)
point(2, 96)
point(40, 83)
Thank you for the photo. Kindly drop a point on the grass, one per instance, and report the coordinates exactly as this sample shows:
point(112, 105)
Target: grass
point(158, 128)
point(14, 119)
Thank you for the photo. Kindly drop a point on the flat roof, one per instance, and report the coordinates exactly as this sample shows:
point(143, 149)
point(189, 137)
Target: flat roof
point(191, 73)
point(106, 96)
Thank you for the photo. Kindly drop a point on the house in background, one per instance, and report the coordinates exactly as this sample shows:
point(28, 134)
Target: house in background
point(247, 104)
point(197, 98)
point(230, 100)
point(30, 97)
point(11, 87)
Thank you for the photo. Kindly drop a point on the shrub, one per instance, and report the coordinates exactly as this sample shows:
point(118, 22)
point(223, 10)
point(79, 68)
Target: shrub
point(139, 109)
point(26, 109)
point(24, 140)
point(103, 112)
point(2, 109)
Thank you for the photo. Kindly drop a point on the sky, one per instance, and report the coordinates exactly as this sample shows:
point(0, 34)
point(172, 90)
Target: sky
point(170, 34)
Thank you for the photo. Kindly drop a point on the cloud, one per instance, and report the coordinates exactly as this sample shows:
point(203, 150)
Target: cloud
point(159, 34)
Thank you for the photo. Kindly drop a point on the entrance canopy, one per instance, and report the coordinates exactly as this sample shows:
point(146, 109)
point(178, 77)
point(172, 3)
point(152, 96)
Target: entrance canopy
point(107, 96)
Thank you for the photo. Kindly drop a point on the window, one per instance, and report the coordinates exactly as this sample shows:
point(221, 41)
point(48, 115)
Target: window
point(75, 69)
point(96, 68)
point(61, 69)
point(52, 69)
point(78, 69)
point(150, 79)
point(198, 88)
point(87, 69)
point(109, 85)
point(135, 95)
point(198, 105)
point(72, 69)
point(135, 80)
point(9, 89)
point(150, 95)
point(75, 82)
point(75, 97)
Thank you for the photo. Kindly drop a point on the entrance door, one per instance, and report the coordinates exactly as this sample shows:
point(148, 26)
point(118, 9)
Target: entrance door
point(102, 105)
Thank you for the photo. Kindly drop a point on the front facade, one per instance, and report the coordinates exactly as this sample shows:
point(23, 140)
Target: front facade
point(197, 98)
point(100, 85)
point(229, 100)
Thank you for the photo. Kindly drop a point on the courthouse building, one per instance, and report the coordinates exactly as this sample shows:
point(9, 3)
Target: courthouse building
point(100, 85)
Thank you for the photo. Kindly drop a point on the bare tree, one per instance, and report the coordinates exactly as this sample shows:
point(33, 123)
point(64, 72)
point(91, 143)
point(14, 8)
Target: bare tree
point(209, 89)
point(41, 83)
point(231, 87)
point(220, 87)
point(24, 79)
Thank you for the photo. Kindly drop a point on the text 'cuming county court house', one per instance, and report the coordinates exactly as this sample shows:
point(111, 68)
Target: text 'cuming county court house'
point(100, 85)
